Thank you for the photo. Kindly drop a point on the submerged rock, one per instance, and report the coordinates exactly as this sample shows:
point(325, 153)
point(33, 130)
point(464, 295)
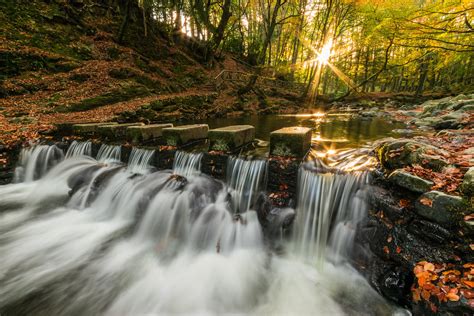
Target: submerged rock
point(409, 181)
point(441, 208)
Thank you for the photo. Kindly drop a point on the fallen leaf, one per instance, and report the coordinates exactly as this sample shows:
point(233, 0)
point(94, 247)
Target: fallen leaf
point(427, 202)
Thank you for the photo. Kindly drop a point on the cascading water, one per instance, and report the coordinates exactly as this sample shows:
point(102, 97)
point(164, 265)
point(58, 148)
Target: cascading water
point(109, 153)
point(91, 238)
point(79, 149)
point(246, 178)
point(187, 164)
point(140, 160)
point(330, 205)
point(36, 161)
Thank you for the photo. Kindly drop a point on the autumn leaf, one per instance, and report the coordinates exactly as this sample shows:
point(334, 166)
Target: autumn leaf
point(403, 203)
point(428, 266)
point(386, 250)
point(453, 297)
point(427, 202)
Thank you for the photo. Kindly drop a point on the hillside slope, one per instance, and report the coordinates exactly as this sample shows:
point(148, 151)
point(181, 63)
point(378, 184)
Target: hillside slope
point(61, 63)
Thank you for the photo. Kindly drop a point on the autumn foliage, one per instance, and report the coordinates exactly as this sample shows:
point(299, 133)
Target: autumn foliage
point(440, 283)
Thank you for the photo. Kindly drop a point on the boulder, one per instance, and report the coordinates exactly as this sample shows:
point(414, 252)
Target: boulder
point(467, 186)
point(409, 181)
point(290, 141)
point(446, 210)
point(395, 154)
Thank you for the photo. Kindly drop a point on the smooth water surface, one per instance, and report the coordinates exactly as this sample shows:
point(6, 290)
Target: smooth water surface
point(340, 129)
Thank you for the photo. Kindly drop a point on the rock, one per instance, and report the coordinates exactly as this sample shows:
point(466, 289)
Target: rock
point(137, 134)
point(290, 142)
point(230, 138)
point(467, 186)
point(441, 208)
point(409, 181)
point(184, 134)
point(395, 154)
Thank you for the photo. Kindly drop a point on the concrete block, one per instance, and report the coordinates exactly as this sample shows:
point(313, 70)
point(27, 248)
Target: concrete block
point(184, 134)
point(89, 128)
point(230, 138)
point(137, 134)
point(290, 141)
point(115, 131)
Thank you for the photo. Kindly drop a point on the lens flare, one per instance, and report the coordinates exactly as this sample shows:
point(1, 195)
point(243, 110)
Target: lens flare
point(325, 53)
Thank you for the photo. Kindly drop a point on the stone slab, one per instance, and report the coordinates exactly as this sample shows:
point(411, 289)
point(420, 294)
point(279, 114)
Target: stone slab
point(115, 131)
point(184, 134)
point(89, 128)
point(230, 138)
point(137, 134)
point(290, 141)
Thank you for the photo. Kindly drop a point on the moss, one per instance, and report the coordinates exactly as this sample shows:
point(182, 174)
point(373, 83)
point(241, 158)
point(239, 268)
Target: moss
point(111, 97)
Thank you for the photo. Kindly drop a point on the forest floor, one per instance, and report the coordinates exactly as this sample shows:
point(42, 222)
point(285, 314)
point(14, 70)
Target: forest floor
point(56, 70)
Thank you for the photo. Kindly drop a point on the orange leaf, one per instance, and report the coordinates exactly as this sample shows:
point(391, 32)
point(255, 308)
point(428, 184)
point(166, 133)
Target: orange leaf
point(429, 266)
point(398, 250)
point(426, 295)
point(452, 297)
point(427, 202)
point(470, 284)
point(403, 203)
point(386, 250)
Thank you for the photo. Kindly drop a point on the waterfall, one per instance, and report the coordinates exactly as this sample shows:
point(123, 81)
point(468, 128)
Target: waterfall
point(36, 161)
point(329, 207)
point(187, 164)
point(79, 149)
point(140, 160)
point(90, 238)
point(109, 153)
point(246, 178)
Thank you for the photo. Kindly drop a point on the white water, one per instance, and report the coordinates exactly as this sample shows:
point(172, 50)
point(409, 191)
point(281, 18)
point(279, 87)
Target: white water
point(187, 164)
point(35, 162)
point(157, 243)
point(246, 178)
point(79, 149)
point(109, 153)
point(140, 160)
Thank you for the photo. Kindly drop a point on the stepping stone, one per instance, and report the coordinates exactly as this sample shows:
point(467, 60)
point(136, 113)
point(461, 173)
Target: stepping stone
point(138, 134)
point(290, 141)
point(115, 131)
point(89, 128)
point(184, 134)
point(230, 138)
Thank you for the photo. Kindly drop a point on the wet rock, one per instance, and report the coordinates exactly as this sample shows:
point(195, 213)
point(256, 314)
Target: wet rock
point(395, 283)
point(467, 186)
point(409, 181)
point(441, 208)
point(394, 154)
point(429, 231)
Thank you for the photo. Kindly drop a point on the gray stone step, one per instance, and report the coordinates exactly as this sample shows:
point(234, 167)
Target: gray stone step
point(137, 134)
point(230, 138)
point(115, 131)
point(89, 128)
point(290, 141)
point(184, 134)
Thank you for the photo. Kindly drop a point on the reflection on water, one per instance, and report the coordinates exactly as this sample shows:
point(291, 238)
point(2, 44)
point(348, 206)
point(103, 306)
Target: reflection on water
point(340, 129)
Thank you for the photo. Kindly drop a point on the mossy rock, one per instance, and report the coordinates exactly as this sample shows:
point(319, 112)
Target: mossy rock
point(446, 210)
point(409, 181)
point(467, 186)
point(395, 154)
